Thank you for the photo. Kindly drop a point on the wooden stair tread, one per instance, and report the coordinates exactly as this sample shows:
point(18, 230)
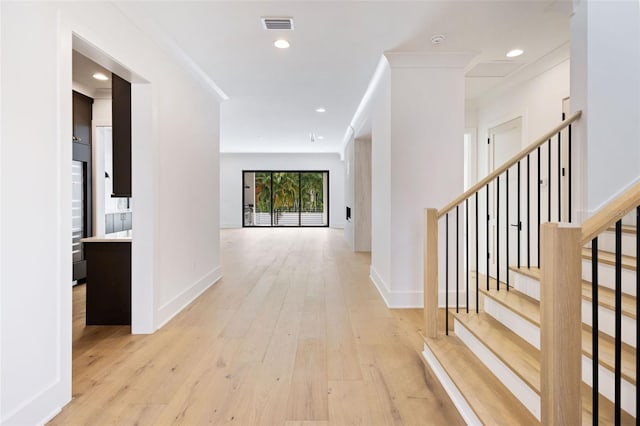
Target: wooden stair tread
point(518, 302)
point(607, 297)
point(605, 410)
point(522, 358)
point(608, 258)
point(606, 354)
point(492, 402)
point(529, 272)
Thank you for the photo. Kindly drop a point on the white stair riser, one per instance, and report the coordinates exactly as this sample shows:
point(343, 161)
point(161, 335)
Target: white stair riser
point(523, 328)
point(527, 396)
point(606, 383)
point(607, 242)
point(607, 322)
point(607, 276)
point(527, 285)
point(467, 413)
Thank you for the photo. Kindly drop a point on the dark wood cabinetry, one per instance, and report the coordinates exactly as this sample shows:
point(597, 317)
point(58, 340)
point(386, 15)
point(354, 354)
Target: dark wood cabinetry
point(108, 283)
point(121, 116)
point(81, 181)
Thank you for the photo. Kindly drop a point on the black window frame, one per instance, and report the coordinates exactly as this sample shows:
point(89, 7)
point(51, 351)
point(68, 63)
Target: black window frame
point(242, 206)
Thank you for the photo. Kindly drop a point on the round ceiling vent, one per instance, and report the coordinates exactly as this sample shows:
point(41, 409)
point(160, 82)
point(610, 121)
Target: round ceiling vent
point(437, 39)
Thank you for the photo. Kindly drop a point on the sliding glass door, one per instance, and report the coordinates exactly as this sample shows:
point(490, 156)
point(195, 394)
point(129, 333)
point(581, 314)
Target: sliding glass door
point(285, 198)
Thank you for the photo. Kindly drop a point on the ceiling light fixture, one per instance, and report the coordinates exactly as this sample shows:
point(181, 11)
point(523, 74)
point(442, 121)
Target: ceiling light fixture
point(437, 39)
point(100, 76)
point(514, 53)
point(281, 44)
point(320, 138)
point(320, 109)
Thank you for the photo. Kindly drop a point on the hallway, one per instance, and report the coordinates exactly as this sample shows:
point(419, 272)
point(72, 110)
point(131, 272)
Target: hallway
point(294, 331)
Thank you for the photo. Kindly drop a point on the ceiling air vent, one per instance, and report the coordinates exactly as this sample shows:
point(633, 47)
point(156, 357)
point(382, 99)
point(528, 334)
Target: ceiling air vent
point(277, 23)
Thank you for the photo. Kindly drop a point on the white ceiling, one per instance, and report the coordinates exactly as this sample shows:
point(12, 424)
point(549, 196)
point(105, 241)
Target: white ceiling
point(335, 48)
point(83, 70)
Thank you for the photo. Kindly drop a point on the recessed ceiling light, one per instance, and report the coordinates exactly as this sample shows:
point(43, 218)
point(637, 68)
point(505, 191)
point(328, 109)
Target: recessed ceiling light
point(281, 44)
point(514, 53)
point(100, 76)
point(320, 109)
point(320, 138)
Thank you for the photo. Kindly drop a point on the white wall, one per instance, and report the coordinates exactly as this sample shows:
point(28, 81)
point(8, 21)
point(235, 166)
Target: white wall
point(417, 121)
point(538, 101)
point(605, 84)
point(232, 165)
point(175, 187)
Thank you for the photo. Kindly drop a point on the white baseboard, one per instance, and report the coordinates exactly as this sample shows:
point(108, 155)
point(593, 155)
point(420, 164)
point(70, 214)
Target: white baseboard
point(38, 410)
point(170, 309)
point(396, 299)
point(230, 225)
point(465, 410)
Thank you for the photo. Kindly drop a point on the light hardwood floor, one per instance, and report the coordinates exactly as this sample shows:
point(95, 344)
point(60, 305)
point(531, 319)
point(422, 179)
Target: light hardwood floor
point(294, 334)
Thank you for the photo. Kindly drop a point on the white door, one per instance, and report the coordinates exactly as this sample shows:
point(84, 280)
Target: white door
point(505, 142)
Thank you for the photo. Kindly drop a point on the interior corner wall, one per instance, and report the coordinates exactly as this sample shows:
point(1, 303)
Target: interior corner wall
point(349, 198)
point(380, 270)
point(357, 229)
point(605, 85)
point(182, 189)
point(232, 165)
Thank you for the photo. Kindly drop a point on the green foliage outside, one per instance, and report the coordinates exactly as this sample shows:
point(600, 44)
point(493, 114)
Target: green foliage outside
point(287, 187)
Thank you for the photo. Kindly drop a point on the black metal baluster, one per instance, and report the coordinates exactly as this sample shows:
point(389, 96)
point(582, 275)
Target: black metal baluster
point(518, 218)
point(569, 175)
point(498, 232)
point(506, 223)
point(466, 218)
point(528, 213)
point(457, 260)
point(559, 178)
point(594, 328)
point(618, 352)
point(487, 237)
point(446, 274)
point(538, 229)
point(477, 259)
point(549, 180)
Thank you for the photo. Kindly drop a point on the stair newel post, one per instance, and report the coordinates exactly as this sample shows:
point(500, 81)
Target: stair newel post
point(431, 273)
point(560, 324)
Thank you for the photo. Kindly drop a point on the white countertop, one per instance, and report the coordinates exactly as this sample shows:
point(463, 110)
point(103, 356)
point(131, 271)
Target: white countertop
point(116, 237)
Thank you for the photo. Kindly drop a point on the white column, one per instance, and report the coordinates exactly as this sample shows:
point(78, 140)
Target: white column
point(605, 85)
point(417, 162)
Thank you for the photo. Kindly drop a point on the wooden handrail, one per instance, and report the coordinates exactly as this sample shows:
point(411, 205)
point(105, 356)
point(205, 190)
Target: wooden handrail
point(610, 214)
point(513, 160)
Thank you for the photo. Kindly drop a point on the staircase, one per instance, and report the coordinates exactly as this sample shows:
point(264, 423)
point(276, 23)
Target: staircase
point(490, 361)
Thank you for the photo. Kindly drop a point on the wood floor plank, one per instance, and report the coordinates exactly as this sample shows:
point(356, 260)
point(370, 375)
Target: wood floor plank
point(294, 334)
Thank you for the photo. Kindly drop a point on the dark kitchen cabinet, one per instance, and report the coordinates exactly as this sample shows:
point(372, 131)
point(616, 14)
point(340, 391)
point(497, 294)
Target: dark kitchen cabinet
point(81, 226)
point(108, 283)
point(121, 133)
point(82, 114)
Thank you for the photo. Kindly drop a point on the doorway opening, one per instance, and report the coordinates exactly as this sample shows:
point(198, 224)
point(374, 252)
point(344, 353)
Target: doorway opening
point(505, 141)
